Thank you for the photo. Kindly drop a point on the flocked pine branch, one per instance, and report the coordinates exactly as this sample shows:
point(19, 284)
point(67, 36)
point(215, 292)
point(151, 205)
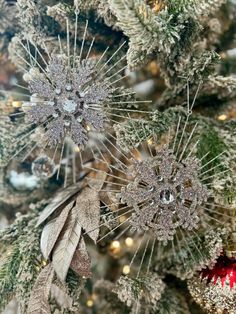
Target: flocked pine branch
point(175, 22)
point(146, 31)
point(191, 254)
point(13, 138)
point(196, 7)
point(4, 16)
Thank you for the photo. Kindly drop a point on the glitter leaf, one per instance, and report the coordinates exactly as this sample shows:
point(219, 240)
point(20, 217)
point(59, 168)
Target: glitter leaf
point(38, 302)
point(59, 199)
point(52, 230)
point(81, 262)
point(88, 205)
point(66, 245)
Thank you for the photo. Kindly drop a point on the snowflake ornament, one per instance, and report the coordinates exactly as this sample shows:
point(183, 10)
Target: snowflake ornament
point(74, 95)
point(69, 100)
point(164, 193)
point(74, 100)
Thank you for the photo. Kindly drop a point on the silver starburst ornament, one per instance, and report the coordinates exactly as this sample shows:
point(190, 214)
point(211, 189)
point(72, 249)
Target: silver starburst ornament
point(165, 194)
point(74, 98)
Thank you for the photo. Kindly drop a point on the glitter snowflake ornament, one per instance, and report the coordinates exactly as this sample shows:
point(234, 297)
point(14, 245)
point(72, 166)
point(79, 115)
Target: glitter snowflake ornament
point(75, 98)
point(165, 194)
point(69, 100)
point(162, 194)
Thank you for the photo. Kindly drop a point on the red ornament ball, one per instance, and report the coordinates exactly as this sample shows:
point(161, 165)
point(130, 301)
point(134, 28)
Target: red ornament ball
point(225, 268)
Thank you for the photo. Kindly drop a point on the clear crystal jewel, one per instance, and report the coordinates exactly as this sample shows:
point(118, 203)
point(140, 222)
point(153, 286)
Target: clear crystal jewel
point(68, 87)
point(67, 123)
point(69, 105)
point(166, 197)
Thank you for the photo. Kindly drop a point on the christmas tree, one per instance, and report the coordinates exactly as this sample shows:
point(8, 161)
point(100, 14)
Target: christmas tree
point(117, 156)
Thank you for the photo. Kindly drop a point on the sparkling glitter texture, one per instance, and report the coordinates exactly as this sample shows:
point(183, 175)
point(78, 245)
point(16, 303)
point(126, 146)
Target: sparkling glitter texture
point(165, 194)
point(212, 296)
point(69, 100)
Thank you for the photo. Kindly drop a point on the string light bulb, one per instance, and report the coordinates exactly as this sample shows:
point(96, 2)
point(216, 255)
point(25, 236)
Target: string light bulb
point(44, 263)
point(89, 303)
point(122, 218)
point(16, 104)
point(115, 244)
point(126, 269)
point(77, 149)
point(150, 141)
point(156, 5)
point(115, 247)
point(153, 68)
point(129, 242)
point(222, 117)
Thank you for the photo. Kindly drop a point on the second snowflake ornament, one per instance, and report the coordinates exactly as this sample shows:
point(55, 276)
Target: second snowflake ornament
point(165, 194)
point(162, 192)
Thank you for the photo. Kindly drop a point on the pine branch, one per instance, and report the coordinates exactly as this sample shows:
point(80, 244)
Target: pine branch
point(5, 15)
point(178, 304)
point(208, 7)
point(191, 254)
point(11, 131)
point(147, 32)
point(21, 261)
point(8, 275)
point(132, 133)
point(198, 8)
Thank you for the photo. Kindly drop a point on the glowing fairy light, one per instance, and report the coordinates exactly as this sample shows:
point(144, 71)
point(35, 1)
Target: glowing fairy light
point(126, 269)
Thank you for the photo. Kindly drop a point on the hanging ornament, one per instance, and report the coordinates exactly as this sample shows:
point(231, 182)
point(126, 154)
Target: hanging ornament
point(215, 288)
point(71, 95)
point(165, 194)
point(75, 97)
point(43, 167)
point(224, 269)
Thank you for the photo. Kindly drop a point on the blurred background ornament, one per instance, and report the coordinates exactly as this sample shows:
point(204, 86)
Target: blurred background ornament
point(43, 167)
point(224, 270)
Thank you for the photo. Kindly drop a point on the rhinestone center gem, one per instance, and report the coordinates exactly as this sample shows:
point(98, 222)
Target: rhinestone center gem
point(69, 105)
point(166, 196)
